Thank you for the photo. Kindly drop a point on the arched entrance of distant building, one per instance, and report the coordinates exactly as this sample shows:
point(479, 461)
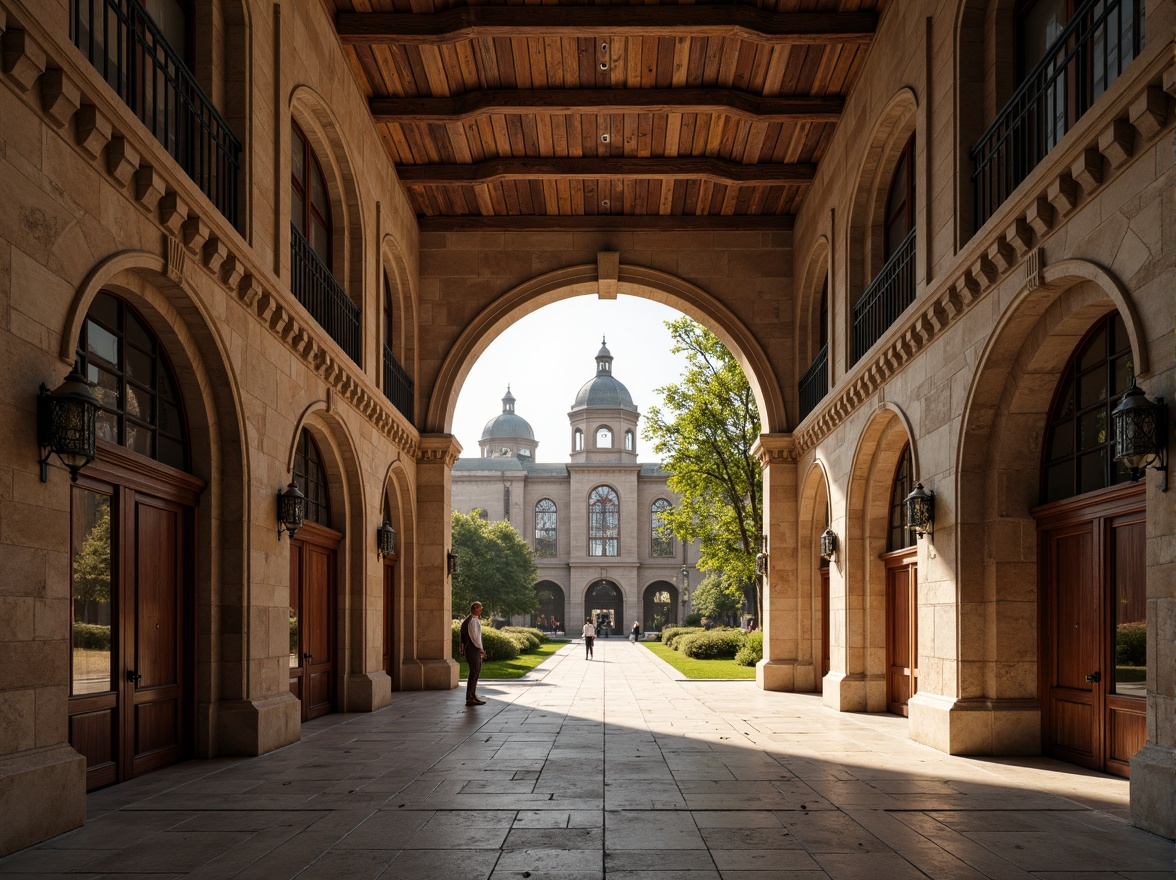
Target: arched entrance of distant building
point(605, 607)
point(660, 606)
point(552, 607)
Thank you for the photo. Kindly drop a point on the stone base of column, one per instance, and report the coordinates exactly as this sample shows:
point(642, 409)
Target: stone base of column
point(786, 675)
point(976, 727)
point(368, 691)
point(42, 794)
point(429, 675)
point(853, 692)
point(1153, 790)
point(254, 727)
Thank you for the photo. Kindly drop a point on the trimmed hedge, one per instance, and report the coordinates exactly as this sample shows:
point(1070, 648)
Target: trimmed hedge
point(532, 638)
point(92, 636)
point(752, 651)
point(670, 634)
point(498, 645)
point(715, 644)
point(1131, 644)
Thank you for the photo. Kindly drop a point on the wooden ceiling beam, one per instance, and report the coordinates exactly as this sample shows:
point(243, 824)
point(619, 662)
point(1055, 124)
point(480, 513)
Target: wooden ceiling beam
point(610, 222)
point(549, 102)
point(739, 21)
point(578, 168)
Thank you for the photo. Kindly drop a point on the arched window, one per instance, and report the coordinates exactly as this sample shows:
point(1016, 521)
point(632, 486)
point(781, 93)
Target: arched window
point(604, 522)
point(546, 520)
point(310, 477)
point(628, 441)
point(661, 538)
point(604, 438)
point(900, 536)
point(141, 406)
point(389, 331)
point(900, 200)
point(1079, 449)
point(310, 206)
point(823, 318)
point(577, 440)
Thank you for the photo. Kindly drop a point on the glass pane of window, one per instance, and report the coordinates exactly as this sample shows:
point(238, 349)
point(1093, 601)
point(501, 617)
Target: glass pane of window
point(295, 591)
point(298, 212)
point(106, 387)
point(1123, 371)
point(104, 309)
point(1129, 610)
point(101, 344)
point(297, 157)
point(1059, 480)
point(318, 192)
point(1039, 27)
point(1061, 443)
point(1094, 351)
point(138, 334)
point(140, 366)
point(140, 404)
point(138, 439)
point(107, 427)
point(170, 452)
point(1092, 428)
point(1092, 471)
point(1092, 387)
point(169, 420)
point(320, 240)
point(90, 544)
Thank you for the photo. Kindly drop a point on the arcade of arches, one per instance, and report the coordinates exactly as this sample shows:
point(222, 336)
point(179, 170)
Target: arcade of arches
point(907, 311)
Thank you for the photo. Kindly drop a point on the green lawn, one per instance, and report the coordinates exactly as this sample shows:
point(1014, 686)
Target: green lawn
point(700, 668)
point(516, 668)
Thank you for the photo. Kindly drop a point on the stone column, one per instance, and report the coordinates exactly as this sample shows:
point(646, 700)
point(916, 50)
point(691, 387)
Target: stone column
point(788, 638)
point(428, 664)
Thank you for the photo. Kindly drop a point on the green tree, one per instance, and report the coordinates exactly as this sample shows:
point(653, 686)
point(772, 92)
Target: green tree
point(495, 567)
point(717, 598)
point(91, 566)
point(704, 434)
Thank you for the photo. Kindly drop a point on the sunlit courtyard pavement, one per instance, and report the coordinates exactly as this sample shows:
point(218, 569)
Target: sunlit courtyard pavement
point(611, 767)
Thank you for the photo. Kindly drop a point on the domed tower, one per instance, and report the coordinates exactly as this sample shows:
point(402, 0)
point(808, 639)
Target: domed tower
point(508, 435)
point(604, 418)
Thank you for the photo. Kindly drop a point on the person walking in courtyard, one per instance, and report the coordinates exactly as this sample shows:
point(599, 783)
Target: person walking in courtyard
point(471, 648)
point(636, 634)
point(589, 638)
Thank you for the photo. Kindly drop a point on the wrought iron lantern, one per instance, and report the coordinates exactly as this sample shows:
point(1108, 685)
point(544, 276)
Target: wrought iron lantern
point(1141, 434)
point(451, 563)
point(67, 424)
point(386, 540)
point(291, 510)
point(761, 558)
point(828, 544)
point(920, 511)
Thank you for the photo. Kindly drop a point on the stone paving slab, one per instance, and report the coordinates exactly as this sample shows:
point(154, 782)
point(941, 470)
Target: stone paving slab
point(611, 768)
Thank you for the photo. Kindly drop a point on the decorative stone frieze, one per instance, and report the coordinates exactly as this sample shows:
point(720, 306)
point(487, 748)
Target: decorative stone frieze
point(1149, 112)
point(1040, 215)
point(23, 59)
point(231, 272)
point(92, 130)
point(1116, 142)
point(1087, 170)
point(772, 449)
point(175, 258)
point(149, 187)
point(1033, 266)
point(60, 97)
point(173, 211)
point(195, 233)
point(122, 159)
point(438, 449)
point(214, 253)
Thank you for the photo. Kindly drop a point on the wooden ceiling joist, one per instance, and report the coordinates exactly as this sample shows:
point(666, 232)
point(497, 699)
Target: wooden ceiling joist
point(550, 102)
point(743, 22)
point(610, 222)
point(579, 168)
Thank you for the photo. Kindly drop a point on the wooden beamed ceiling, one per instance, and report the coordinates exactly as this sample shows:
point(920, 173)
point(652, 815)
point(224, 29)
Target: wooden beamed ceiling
point(581, 115)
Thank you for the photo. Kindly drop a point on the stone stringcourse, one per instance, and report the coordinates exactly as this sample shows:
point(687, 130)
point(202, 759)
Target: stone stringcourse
point(1015, 233)
point(192, 229)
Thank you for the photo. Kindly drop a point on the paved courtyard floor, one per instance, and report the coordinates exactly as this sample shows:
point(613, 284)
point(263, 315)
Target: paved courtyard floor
point(607, 768)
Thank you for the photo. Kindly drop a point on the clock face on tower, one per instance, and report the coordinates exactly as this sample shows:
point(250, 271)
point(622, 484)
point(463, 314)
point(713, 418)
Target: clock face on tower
point(603, 438)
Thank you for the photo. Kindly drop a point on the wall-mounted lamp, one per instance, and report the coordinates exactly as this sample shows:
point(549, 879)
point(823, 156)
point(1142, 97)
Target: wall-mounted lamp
point(1141, 434)
point(451, 563)
point(920, 511)
point(761, 558)
point(67, 424)
point(828, 544)
point(291, 510)
point(385, 540)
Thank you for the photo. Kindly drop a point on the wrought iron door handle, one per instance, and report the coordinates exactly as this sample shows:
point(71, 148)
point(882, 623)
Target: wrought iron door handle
point(1094, 677)
point(134, 677)
point(307, 657)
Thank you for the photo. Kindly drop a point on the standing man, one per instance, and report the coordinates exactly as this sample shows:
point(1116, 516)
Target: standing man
point(471, 648)
point(589, 634)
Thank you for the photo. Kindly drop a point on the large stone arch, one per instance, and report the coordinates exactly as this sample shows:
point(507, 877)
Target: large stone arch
point(998, 466)
point(817, 269)
point(230, 703)
point(861, 685)
point(400, 502)
point(584, 280)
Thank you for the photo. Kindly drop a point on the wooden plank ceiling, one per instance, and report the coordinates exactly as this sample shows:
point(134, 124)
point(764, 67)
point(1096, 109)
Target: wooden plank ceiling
point(663, 115)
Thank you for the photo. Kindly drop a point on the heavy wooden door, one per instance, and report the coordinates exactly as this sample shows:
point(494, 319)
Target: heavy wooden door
point(390, 618)
point(131, 706)
point(824, 620)
point(1091, 563)
point(902, 635)
point(313, 562)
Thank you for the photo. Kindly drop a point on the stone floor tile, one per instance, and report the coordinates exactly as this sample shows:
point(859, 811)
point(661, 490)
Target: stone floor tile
point(657, 860)
point(172, 852)
point(869, 866)
point(680, 874)
point(751, 859)
point(550, 860)
point(554, 838)
point(453, 864)
point(634, 829)
point(356, 864)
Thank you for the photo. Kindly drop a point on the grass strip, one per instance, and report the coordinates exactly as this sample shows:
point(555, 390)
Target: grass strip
point(700, 668)
point(517, 667)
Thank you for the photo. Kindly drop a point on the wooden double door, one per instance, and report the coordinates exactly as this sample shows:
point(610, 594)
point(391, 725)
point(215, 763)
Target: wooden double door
point(1093, 628)
point(902, 629)
point(313, 566)
point(132, 693)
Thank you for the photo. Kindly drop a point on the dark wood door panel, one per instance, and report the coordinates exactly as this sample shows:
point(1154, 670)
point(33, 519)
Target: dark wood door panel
point(902, 640)
point(93, 736)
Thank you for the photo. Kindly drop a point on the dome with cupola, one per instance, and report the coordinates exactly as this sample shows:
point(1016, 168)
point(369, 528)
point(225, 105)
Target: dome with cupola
point(508, 433)
point(603, 391)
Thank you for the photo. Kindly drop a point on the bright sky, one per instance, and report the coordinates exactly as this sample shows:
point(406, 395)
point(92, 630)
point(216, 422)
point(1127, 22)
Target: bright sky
point(549, 354)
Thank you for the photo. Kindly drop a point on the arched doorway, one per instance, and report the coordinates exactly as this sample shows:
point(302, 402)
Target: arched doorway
point(660, 606)
point(552, 607)
point(605, 606)
point(133, 554)
point(902, 595)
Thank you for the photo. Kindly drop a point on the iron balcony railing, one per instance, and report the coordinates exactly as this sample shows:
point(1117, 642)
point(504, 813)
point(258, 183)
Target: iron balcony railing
point(1094, 47)
point(397, 384)
point(134, 57)
point(891, 291)
point(814, 384)
point(324, 297)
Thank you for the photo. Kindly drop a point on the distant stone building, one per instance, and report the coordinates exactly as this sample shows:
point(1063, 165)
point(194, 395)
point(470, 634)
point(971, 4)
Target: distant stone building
point(595, 522)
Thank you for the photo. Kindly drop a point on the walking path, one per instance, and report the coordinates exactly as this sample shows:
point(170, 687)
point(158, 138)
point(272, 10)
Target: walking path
point(611, 767)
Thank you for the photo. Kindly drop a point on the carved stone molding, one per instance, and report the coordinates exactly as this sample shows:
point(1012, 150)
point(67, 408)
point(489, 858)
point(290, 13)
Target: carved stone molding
point(438, 449)
point(774, 449)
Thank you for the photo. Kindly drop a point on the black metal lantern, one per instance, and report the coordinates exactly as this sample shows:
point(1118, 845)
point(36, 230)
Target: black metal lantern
point(67, 424)
point(386, 539)
point(1141, 434)
point(920, 511)
point(451, 563)
point(291, 510)
point(828, 544)
point(761, 558)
